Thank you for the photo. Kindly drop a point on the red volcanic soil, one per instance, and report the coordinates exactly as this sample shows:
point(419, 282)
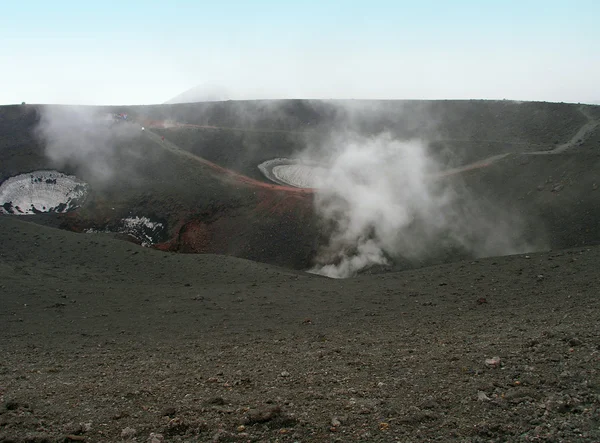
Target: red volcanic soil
point(193, 237)
point(277, 216)
point(236, 176)
point(256, 183)
point(266, 222)
point(284, 204)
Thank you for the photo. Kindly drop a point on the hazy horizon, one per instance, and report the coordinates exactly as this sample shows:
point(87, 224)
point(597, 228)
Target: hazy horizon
point(130, 53)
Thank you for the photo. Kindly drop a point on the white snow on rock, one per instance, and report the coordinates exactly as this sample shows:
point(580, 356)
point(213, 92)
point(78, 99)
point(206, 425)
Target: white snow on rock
point(41, 191)
point(289, 172)
point(141, 228)
point(300, 176)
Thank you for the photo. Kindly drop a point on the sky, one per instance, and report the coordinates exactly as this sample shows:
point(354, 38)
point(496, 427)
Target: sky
point(144, 52)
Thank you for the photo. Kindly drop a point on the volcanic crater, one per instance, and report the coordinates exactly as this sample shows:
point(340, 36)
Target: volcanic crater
point(215, 332)
point(241, 172)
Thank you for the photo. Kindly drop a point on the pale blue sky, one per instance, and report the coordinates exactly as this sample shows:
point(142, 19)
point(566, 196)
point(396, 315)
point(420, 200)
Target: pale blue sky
point(134, 52)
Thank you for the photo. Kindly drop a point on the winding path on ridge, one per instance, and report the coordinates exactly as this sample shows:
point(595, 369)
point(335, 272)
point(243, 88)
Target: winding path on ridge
point(583, 132)
point(240, 178)
point(591, 124)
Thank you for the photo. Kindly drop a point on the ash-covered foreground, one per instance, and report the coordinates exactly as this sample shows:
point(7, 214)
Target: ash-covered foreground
point(103, 341)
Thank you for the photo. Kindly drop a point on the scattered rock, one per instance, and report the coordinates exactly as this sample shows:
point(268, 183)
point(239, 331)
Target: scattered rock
point(156, 438)
point(493, 362)
point(176, 426)
point(262, 415)
point(416, 416)
point(429, 403)
point(13, 405)
point(482, 396)
point(217, 401)
point(77, 429)
point(169, 411)
point(519, 395)
point(128, 433)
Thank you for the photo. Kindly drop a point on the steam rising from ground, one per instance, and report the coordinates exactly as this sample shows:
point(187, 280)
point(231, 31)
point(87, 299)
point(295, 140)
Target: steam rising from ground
point(382, 200)
point(86, 138)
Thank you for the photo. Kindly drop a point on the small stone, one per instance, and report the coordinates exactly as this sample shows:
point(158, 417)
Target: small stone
point(335, 422)
point(176, 426)
point(482, 396)
point(493, 362)
point(241, 428)
point(156, 438)
point(574, 342)
point(429, 403)
point(13, 405)
point(217, 401)
point(77, 429)
point(128, 433)
point(262, 415)
point(284, 374)
point(169, 411)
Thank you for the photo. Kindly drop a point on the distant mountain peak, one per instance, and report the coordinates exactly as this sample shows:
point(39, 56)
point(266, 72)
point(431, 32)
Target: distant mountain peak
point(202, 93)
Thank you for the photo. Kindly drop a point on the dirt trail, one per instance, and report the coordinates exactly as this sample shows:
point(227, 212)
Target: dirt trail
point(166, 144)
point(228, 128)
point(581, 134)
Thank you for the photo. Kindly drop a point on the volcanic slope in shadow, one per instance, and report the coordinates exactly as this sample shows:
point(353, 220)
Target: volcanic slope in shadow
point(210, 202)
point(554, 196)
point(103, 339)
point(203, 209)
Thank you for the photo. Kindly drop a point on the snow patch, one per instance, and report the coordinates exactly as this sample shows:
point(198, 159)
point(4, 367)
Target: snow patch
point(143, 229)
point(290, 172)
point(41, 191)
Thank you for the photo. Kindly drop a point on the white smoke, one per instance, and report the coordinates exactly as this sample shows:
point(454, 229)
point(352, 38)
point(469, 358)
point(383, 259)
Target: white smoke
point(383, 198)
point(88, 138)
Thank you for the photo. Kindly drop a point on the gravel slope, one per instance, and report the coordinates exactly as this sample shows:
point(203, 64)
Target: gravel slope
point(104, 341)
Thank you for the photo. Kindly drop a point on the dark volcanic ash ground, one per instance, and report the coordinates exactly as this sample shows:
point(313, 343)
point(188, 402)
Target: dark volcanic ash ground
point(214, 332)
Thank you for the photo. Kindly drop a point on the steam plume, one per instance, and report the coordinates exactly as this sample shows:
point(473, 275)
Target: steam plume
point(382, 199)
point(86, 138)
